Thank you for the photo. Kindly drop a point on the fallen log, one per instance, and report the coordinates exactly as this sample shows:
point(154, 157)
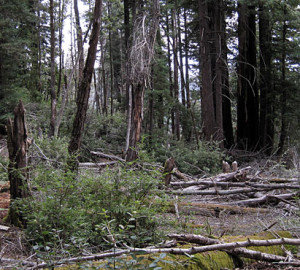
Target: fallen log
point(214, 244)
point(265, 199)
point(215, 192)
point(238, 246)
point(232, 184)
point(254, 178)
point(111, 157)
point(179, 175)
point(222, 246)
point(218, 178)
point(96, 165)
point(84, 258)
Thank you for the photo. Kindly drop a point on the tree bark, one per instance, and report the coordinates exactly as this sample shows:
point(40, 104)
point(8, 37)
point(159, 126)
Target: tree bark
point(207, 102)
point(175, 72)
point(52, 71)
point(283, 98)
point(247, 103)
point(136, 122)
point(170, 72)
point(218, 36)
point(79, 41)
point(266, 99)
point(85, 86)
point(17, 145)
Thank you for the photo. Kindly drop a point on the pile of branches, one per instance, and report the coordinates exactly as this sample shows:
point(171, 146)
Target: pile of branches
point(239, 188)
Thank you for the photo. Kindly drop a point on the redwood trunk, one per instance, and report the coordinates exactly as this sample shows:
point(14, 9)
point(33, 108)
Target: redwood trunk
point(266, 100)
point(247, 106)
point(207, 104)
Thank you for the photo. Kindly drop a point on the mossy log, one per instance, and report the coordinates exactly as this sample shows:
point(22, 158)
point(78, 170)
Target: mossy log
point(209, 258)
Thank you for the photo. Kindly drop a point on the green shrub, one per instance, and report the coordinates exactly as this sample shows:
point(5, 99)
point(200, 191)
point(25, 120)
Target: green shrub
point(68, 213)
point(107, 133)
point(191, 159)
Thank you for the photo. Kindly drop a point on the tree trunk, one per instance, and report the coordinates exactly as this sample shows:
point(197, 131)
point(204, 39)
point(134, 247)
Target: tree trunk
point(85, 86)
point(283, 98)
point(219, 71)
point(266, 99)
point(207, 104)
point(141, 55)
point(170, 72)
point(52, 71)
point(60, 39)
point(175, 64)
point(247, 103)
point(226, 107)
point(180, 49)
point(79, 41)
point(136, 121)
point(17, 145)
point(186, 51)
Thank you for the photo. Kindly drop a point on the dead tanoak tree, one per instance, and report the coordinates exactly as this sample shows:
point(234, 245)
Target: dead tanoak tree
point(17, 144)
point(140, 58)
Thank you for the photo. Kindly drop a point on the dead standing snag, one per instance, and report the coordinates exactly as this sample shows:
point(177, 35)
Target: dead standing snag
point(17, 144)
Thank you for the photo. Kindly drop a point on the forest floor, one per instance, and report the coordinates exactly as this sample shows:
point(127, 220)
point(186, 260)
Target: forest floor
point(213, 214)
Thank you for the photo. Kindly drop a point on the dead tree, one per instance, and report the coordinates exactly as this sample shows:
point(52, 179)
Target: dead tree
point(140, 57)
point(17, 144)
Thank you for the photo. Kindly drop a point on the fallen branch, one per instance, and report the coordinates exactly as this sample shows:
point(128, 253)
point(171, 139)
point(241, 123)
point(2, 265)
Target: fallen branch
point(111, 157)
point(265, 199)
point(239, 249)
point(16, 262)
point(85, 258)
point(215, 192)
point(233, 184)
point(214, 245)
point(218, 178)
point(96, 165)
point(178, 174)
point(222, 246)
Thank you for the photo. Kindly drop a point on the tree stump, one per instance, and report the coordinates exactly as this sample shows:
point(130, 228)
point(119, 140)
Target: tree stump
point(17, 145)
point(168, 169)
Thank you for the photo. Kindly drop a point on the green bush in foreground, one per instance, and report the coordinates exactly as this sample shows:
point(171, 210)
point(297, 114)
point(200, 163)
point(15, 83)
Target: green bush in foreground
point(68, 214)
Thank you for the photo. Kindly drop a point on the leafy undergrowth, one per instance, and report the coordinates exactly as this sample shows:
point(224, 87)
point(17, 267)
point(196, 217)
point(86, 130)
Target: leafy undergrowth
point(115, 207)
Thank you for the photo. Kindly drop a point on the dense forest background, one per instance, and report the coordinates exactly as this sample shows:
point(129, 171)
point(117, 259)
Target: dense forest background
point(165, 73)
point(110, 90)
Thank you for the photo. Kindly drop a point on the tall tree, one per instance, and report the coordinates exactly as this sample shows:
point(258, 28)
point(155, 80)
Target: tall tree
point(176, 69)
point(16, 20)
point(266, 98)
point(247, 101)
point(141, 55)
point(52, 71)
point(79, 41)
point(85, 85)
point(207, 97)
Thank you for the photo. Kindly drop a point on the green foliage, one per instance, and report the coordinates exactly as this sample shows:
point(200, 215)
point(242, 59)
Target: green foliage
point(66, 214)
point(16, 17)
point(189, 158)
point(105, 132)
point(3, 170)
